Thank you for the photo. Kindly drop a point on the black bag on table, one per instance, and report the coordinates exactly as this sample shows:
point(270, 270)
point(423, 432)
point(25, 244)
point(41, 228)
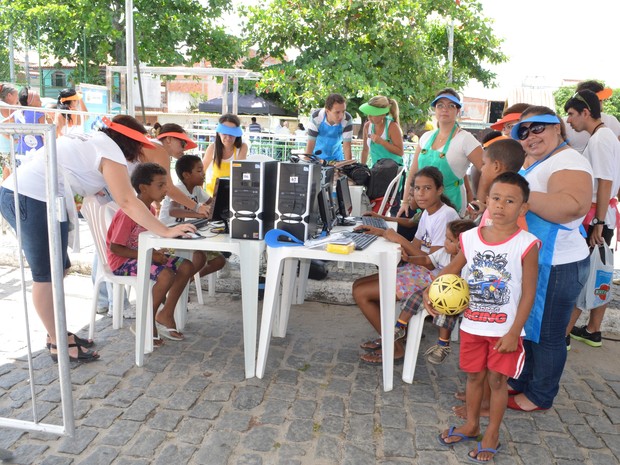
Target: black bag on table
point(358, 173)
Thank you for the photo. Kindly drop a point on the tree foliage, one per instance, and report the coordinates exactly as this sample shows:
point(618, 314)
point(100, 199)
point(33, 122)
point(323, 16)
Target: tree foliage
point(91, 33)
point(364, 48)
point(563, 94)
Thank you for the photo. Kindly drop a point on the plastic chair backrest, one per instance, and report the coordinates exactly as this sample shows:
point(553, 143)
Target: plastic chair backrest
point(99, 216)
point(392, 191)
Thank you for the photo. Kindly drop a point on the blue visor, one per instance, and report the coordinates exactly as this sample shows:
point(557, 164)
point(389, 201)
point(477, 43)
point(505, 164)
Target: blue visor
point(449, 97)
point(229, 130)
point(549, 119)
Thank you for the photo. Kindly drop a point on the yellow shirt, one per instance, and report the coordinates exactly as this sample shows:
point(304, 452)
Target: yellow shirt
point(222, 171)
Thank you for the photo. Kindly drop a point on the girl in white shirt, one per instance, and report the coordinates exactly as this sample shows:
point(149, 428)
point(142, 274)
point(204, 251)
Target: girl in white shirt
point(428, 194)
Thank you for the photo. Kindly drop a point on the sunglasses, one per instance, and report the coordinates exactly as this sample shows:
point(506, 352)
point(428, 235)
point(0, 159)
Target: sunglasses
point(535, 128)
point(183, 143)
point(578, 96)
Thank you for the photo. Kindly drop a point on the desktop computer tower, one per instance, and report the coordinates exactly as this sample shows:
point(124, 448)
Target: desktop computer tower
point(296, 207)
point(252, 198)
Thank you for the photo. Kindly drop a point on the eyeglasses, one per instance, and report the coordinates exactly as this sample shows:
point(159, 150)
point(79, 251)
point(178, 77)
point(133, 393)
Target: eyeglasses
point(535, 128)
point(578, 96)
point(445, 106)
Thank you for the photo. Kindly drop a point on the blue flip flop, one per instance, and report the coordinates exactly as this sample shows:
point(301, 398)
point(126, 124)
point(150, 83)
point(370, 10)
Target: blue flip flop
point(480, 449)
point(451, 433)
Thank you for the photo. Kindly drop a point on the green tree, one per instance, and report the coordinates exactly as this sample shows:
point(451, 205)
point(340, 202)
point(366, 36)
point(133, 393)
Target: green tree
point(91, 33)
point(563, 94)
point(364, 48)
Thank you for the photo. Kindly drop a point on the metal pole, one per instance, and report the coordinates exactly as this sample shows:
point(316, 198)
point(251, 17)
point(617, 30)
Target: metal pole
point(27, 61)
point(131, 111)
point(137, 59)
point(235, 98)
point(450, 49)
point(225, 94)
point(11, 58)
point(41, 93)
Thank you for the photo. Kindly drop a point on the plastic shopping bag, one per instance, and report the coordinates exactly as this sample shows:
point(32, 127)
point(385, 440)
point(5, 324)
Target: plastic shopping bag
point(597, 290)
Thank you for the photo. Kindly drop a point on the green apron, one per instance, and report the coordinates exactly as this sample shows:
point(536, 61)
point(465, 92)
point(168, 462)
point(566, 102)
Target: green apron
point(378, 151)
point(431, 157)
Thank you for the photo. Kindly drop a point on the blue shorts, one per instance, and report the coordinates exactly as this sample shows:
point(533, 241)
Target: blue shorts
point(35, 242)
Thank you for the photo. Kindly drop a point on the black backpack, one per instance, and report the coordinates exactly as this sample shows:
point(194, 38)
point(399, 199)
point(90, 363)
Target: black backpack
point(358, 173)
point(381, 174)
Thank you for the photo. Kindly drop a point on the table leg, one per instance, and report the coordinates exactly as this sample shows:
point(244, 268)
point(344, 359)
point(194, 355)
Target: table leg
point(302, 283)
point(249, 254)
point(272, 288)
point(387, 280)
point(289, 282)
point(145, 255)
point(180, 310)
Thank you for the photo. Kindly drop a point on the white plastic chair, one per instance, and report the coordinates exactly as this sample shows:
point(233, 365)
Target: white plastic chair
point(98, 216)
point(210, 287)
point(414, 336)
point(391, 192)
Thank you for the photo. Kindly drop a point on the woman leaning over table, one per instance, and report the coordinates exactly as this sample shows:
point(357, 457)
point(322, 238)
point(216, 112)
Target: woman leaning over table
point(449, 148)
point(89, 162)
point(228, 146)
point(560, 179)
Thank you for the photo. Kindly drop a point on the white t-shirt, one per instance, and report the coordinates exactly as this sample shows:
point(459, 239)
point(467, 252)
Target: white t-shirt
point(79, 158)
point(432, 228)
point(494, 272)
point(579, 140)
point(440, 258)
point(197, 195)
point(603, 153)
point(569, 245)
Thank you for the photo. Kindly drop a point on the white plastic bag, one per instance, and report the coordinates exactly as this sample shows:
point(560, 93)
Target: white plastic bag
point(597, 290)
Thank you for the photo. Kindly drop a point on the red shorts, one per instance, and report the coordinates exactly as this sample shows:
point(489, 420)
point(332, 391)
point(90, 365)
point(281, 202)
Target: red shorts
point(477, 354)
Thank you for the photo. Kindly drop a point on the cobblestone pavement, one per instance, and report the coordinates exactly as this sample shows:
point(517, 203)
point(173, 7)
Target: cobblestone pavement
point(190, 403)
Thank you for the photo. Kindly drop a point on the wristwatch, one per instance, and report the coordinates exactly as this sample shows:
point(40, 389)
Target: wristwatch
point(596, 222)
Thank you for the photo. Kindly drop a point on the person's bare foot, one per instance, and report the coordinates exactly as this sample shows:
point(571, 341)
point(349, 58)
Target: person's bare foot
point(461, 411)
point(460, 395)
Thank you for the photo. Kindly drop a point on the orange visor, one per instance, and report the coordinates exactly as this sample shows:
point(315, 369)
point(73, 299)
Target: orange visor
point(77, 96)
point(499, 125)
point(189, 143)
point(604, 94)
point(128, 132)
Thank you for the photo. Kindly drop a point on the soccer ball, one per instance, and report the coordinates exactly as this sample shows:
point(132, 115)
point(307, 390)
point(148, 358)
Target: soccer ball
point(449, 294)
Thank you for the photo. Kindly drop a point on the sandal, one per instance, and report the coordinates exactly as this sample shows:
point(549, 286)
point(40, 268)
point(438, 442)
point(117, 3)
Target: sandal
point(473, 454)
point(453, 434)
point(371, 345)
point(83, 356)
point(86, 343)
point(376, 358)
point(166, 332)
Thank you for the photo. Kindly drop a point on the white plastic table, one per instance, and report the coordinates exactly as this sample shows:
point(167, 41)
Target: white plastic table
point(249, 252)
point(382, 253)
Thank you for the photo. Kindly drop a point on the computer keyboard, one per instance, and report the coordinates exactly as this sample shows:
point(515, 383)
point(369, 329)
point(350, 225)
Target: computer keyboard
point(199, 222)
point(374, 222)
point(361, 240)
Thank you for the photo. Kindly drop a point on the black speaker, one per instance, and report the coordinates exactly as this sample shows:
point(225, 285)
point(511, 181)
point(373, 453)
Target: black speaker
point(296, 206)
point(252, 198)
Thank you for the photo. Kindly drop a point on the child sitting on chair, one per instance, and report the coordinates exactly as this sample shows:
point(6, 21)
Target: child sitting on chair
point(437, 353)
point(191, 174)
point(170, 273)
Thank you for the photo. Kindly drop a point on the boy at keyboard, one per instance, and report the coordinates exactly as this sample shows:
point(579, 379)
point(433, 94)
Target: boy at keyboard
point(170, 273)
point(191, 174)
point(427, 190)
